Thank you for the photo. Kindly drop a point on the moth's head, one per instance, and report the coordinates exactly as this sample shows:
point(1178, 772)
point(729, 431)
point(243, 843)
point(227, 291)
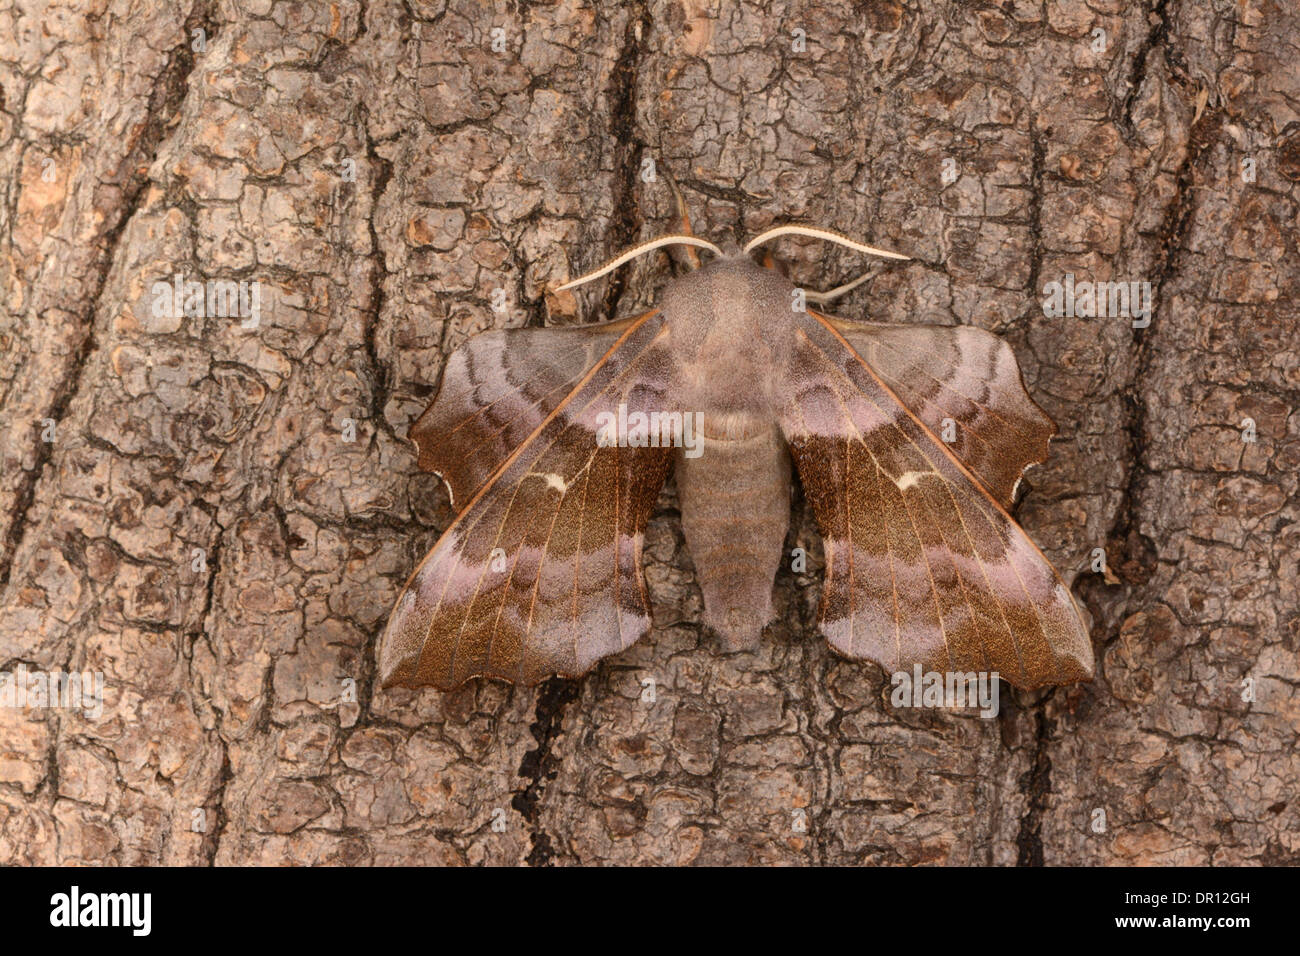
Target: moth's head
point(726, 283)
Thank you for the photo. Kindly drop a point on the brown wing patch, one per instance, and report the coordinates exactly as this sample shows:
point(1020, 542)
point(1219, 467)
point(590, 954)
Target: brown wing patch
point(540, 572)
point(922, 564)
point(965, 385)
point(496, 390)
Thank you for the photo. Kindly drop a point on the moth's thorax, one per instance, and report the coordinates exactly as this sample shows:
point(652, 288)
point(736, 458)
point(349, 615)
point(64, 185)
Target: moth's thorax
point(729, 326)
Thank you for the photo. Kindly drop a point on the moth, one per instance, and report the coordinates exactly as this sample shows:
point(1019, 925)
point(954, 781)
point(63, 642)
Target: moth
point(909, 440)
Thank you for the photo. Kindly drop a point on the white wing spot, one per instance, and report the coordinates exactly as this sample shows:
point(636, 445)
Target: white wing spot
point(451, 495)
point(908, 478)
point(552, 480)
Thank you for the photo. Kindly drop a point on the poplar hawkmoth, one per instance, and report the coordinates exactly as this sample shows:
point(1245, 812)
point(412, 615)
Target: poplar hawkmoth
point(555, 442)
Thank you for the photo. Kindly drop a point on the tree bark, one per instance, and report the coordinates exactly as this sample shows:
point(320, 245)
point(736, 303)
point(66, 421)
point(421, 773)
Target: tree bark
point(180, 508)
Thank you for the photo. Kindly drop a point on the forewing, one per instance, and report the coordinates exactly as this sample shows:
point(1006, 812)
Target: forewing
point(922, 564)
point(496, 390)
point(540, 573)
point(965, 385)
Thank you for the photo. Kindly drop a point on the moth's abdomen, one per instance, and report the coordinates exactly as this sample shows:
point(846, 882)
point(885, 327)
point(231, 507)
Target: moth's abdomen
point(735, 501)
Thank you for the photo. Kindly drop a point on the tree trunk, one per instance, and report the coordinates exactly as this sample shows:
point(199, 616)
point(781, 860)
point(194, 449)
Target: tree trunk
point(181, 508)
